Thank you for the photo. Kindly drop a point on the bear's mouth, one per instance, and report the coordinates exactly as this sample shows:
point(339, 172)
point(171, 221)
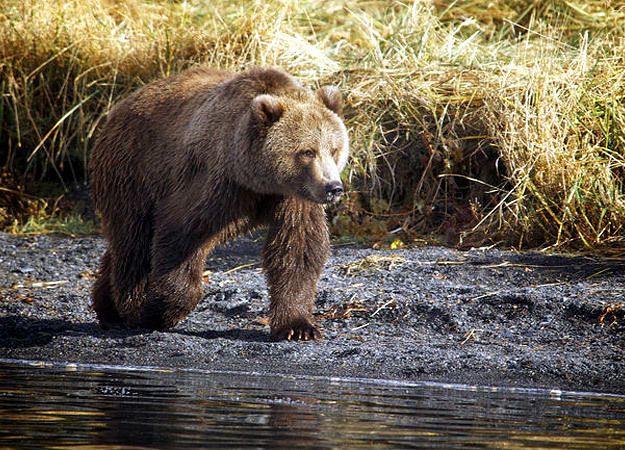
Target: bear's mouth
point(333, 191)
point(332, 198)
point(326, 196)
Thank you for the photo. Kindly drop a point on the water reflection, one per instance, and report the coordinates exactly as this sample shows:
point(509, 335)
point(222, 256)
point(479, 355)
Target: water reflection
point(106, 408)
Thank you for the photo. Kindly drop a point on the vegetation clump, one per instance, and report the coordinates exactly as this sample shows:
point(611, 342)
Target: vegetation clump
point(477, 122)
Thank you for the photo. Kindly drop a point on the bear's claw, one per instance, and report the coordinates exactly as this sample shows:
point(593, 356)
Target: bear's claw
point(298, 332)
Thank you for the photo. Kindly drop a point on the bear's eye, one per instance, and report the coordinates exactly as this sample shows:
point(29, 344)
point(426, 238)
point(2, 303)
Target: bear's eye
point(308, 153)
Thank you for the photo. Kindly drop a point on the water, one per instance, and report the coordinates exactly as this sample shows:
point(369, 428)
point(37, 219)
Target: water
point(84, 407)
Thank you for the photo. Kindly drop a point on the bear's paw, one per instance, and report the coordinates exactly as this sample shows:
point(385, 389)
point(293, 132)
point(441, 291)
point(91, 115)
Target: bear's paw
point(301, 330)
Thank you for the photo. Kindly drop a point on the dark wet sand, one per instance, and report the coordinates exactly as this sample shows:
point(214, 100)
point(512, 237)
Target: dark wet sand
point(484, 317)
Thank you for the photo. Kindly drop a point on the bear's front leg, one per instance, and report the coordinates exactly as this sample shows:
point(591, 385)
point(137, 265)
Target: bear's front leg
point(294, 256)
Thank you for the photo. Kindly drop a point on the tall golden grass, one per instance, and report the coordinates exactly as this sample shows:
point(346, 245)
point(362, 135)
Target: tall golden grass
point(498, 121)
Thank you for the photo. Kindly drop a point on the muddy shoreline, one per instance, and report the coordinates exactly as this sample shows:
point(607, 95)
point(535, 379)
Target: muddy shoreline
point(485, 317)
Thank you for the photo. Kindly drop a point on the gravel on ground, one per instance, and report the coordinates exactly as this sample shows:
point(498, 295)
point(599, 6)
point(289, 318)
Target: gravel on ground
point(486, 317)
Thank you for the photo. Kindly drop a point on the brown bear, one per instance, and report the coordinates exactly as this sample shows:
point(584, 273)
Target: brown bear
point(188, 162)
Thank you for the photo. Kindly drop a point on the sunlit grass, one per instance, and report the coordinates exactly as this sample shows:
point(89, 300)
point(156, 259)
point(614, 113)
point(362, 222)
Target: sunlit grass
point(498, 121)
point(72, 224)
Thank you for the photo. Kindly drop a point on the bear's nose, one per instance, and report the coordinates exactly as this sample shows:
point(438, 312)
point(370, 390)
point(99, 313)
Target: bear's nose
point(334, 190)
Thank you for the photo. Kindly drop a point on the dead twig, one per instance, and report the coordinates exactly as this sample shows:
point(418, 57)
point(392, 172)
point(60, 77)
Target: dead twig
point(382, 307)
point(234, 269)
point(41, 284)
point(471, 334)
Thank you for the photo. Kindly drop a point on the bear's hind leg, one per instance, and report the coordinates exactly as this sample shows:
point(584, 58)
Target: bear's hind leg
point(126, 265)
point(102, 296)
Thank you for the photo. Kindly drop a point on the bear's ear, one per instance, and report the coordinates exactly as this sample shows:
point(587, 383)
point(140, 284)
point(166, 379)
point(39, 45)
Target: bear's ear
point(332, 98)
point(267, 108)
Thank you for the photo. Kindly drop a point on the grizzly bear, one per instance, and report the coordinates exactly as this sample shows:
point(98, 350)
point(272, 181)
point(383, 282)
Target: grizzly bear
point(188, 162)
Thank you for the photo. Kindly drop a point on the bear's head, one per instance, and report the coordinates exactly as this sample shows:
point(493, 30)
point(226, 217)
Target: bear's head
point(303, 143)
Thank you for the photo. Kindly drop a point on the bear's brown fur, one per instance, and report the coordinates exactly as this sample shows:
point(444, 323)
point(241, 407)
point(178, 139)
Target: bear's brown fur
point(189, 161)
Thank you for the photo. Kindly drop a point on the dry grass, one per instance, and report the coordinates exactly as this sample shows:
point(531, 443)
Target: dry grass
point(372, 263)
point(496, 121)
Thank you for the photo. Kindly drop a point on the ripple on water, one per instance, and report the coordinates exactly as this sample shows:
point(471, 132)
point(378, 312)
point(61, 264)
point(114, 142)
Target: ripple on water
point(83, 406)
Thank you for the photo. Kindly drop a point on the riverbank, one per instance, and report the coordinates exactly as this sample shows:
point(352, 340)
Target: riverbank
point(484, 316)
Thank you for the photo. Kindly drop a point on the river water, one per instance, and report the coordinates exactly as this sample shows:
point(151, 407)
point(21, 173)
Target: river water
point(83, 407)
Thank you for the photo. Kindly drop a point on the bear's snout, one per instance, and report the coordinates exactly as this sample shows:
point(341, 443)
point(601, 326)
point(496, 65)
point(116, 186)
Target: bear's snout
point(334, 190)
